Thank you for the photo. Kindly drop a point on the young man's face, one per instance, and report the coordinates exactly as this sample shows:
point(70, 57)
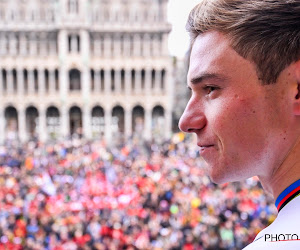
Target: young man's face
point(242, 126)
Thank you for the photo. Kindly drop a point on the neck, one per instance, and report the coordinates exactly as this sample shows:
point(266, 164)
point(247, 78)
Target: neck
point(286, 174)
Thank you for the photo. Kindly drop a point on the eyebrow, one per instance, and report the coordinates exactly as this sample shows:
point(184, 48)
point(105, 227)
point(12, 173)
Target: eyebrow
point(207, 76)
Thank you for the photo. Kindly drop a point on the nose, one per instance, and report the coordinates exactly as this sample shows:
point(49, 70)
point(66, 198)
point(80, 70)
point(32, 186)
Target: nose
point(193, 119)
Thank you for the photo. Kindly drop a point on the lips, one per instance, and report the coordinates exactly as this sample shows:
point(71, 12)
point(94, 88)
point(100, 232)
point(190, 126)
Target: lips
point(205, 149)
point(206, 145)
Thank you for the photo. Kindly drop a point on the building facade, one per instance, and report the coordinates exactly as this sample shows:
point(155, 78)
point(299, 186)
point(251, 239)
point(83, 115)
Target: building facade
point(99, 68)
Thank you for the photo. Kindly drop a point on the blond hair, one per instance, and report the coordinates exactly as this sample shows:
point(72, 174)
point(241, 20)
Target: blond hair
point(266, 32)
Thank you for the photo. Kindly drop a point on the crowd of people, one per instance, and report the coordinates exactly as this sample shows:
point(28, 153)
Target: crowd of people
point(79, 194)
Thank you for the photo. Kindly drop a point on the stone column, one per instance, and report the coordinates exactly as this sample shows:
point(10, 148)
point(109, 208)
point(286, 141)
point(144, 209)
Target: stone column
point(85, 47)
point(146, 48)
point(9, 81)
point(42, 125)
point(63, 90)
point(1, 82)
point(107, 46)
point(137, 45)
point(12, 44)
point(23, 43)
point(164, 10)
point(164, 45)
point(33, 44)
point(20, 82)
point(117, 45)
point(118, 81)
point(97, 46)
point(43, 44)
point(62, 43)
point(157, 84)
point(52, 44)
point(86, 95)
point(107, 81)
point(41, 82)
point(2, 45)
point(155, 46)
point(52, 81)
point(128, 122)
point(128, 82)
point(23, 136)
point(107, 120)
point(138, 81)
point(168, 83)
point(85, 84)
point(97, 81)
point(126, 45)
point(63, 82)
point(2, 126)
point(148, 80)
point(87, 130)
point(148, 124)
point(65, 125)
point(30, 81)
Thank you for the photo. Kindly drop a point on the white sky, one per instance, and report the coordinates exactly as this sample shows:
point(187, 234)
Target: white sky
point(178, 11)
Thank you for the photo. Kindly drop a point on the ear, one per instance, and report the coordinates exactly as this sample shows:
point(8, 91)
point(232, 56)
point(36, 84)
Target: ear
point(296, 88)
point(296, 108)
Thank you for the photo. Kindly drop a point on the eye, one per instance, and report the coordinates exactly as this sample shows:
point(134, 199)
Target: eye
point(209, 89)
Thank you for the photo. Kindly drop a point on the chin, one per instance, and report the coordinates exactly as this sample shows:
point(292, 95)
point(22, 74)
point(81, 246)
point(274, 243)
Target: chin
point(221, 177)
point(218, 179)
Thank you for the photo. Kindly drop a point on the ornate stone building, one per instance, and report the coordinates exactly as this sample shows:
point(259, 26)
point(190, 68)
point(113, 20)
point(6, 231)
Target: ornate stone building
point(93, 67)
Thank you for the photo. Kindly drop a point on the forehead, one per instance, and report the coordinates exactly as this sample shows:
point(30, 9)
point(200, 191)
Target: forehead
point(212, 53)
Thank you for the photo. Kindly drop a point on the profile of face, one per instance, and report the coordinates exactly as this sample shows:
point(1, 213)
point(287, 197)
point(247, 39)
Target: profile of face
point(243, 127)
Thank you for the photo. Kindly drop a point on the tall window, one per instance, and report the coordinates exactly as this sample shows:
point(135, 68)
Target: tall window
point(74, 43)
point(74, 79)
point(73, 6)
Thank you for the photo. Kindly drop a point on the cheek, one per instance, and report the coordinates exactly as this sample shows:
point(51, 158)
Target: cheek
point(238, 121)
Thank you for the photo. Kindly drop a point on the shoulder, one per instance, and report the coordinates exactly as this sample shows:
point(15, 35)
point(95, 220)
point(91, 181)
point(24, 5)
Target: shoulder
point(283, 233)
point(261, 244)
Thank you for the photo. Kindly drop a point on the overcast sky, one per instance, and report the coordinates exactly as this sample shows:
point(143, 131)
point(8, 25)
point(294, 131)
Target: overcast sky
point(178, 11)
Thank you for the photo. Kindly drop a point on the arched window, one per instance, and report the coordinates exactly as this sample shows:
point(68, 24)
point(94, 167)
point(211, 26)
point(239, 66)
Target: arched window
point(75, 115)
point(97, 122)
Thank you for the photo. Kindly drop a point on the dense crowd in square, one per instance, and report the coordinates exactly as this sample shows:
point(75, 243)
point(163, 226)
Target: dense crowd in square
point(79, 194)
